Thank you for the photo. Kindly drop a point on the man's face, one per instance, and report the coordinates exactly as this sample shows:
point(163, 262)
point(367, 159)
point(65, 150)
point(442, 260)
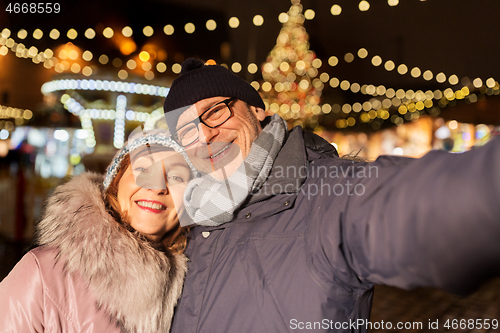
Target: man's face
point(223, 144)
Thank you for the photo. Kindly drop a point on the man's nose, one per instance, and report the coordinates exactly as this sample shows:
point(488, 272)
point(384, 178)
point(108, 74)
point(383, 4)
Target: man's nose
point(205, 133)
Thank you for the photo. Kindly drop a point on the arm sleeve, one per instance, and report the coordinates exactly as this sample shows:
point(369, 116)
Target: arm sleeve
point(433, 221)
point(21, 298)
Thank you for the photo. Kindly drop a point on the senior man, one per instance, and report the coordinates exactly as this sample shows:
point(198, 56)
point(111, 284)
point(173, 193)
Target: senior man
point(301, 242)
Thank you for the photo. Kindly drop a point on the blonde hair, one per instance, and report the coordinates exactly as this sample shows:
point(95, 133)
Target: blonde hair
point(175, 240)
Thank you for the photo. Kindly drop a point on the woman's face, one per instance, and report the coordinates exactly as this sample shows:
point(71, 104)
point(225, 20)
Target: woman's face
point(151, 189)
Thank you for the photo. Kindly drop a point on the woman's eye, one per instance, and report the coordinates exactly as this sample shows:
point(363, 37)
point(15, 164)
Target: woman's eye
point(140, 169)
point(175, 180)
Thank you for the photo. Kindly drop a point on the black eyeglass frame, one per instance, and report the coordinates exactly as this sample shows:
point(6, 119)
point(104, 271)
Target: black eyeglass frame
point(195, 121)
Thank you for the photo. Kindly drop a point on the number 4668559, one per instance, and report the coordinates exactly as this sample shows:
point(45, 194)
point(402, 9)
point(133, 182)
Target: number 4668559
point(33, 8)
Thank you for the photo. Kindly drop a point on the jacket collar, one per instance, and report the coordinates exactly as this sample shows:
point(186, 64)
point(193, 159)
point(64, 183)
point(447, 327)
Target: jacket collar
point(137, 285)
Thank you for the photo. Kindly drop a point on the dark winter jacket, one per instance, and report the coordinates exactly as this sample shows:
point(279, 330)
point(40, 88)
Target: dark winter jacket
point(304, 253)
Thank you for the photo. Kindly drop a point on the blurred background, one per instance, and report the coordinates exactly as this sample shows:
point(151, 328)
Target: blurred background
point(371, 77)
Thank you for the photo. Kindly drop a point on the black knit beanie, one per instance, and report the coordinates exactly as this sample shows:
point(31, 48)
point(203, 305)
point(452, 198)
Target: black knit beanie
point(198, 81)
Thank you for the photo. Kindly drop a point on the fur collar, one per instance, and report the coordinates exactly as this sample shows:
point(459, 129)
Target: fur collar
point(137, 285)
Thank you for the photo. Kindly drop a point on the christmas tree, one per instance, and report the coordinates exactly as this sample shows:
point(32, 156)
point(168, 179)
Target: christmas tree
point(290, 86)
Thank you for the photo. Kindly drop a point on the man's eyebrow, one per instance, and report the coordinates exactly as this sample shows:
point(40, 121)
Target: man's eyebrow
point(211, 105)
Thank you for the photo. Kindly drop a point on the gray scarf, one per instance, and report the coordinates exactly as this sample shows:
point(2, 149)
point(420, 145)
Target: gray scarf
point(212, 202)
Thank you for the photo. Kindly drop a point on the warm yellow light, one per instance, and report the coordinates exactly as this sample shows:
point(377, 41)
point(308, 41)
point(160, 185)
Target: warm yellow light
point(389, 65)
point(27, 114)
point(300, 65)
point(59, 68)
point(148, 31)
point(211, 25)
point(122, 74)
point(453, 124)
point(176, 68)
point(490, 83)
point(33, 51)
point(266, 86)
point(37, 34)
point(252, 68)
point(415, 72)
point(362, 53)
point(236, 67)
point(324, 77)
point(316, 63)
point(304, 84)
point(255, 85)
point(346, 108)
point(149, 75)
point(283, 17)
point(73, 55)
point(210, 62)
point(5, 33)
point(268, 67)
point(72, 34)
point(344, 85)
point(87, 55)
point(189, 28)
point(63, 54)
point(146, 66)
point(381, 90)
point(234, 22)
point(131, 64)
point(127, 31)
point(349, 57)
point(103, 59)
point(48, 53)
point(336, 10)
point(108, 32)
point(376, 61)
point(144, 56)
point(478, 83)
point(453, 79)
point(441, 77)
point(75, 68)
point(428, 75)
point(127, 47)
point(89, 33)
point(393, 2)
point(168, 29)
point(161, 67)
point(22, 34)
point(402, 69)
point(87, 71)
point(258, 20)
point(333, 61)
point(334, 82)
point(3, 50)
point(309, 14)
point(364, 6)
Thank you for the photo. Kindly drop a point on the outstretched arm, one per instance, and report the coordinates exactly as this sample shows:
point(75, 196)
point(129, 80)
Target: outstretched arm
point(433, 221)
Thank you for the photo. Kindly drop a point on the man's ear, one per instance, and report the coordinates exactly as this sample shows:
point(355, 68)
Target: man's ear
point(259, 113)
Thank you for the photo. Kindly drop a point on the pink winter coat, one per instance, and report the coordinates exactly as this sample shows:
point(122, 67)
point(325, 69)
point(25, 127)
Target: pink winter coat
point(90, 274)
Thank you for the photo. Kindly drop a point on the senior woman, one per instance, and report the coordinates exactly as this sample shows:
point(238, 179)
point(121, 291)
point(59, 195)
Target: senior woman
point(110, 249)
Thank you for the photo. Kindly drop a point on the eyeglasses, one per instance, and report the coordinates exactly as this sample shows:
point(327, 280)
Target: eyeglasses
point(215, 116)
